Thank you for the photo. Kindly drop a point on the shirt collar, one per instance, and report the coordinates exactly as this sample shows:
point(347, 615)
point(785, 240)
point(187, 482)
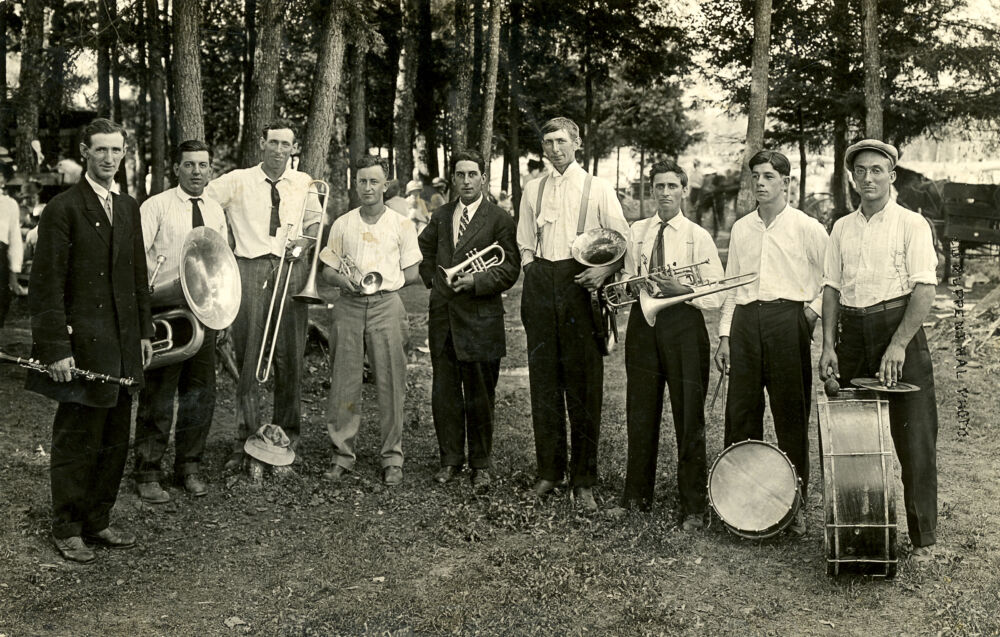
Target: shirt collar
point(777, 217)
point(572, 174)
point(473, 207)
point(183, 196)
point(262, 176)
point(100, 190)
point(878, 217)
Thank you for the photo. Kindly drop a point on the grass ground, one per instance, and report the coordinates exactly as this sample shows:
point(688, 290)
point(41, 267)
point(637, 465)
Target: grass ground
point(306, 557)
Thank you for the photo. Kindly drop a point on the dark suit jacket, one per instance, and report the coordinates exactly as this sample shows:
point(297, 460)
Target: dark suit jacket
point(475, 318)
point(88, 294)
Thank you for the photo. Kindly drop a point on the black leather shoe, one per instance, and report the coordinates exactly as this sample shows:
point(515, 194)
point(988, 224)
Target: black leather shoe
point(481, 478)
point(195, 485)
point(445, 474)
point(543, 486)
point(584, 497)
point(112, 538)
point(152, 492)
point(73, 549)
point(336, 473)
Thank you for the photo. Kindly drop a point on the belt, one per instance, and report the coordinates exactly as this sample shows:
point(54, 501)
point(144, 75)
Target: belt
point(356, 295)
point(891, 304)
point(775, 302)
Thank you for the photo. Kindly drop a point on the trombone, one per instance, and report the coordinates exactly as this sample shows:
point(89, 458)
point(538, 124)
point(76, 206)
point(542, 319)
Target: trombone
point(320, 191)
point(651, 305)
point(626, 292)
point(477, 261)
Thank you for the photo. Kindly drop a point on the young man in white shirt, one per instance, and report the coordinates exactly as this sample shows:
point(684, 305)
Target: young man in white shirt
point(673, 353)
point(167, 218)
point(766, 327)
point(371, 238)
point(880, 284)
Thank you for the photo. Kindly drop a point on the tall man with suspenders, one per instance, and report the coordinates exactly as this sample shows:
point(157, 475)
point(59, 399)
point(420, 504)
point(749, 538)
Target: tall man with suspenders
point(565, 368)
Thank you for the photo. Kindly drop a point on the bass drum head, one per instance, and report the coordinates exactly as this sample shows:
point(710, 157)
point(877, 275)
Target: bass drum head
point(754, 489)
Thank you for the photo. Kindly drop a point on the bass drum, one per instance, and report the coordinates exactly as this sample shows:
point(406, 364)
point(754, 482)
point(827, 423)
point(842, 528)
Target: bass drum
point(754, 489)
point(858, 489)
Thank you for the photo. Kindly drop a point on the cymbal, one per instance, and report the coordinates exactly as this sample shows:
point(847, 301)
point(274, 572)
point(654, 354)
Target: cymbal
point(875, 384)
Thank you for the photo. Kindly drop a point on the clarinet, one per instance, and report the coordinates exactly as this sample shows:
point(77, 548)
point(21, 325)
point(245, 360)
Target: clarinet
point(30, 363)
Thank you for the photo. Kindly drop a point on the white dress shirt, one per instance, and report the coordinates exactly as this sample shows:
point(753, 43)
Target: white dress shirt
point(684, 243)
point(877, 259)
point(245, 195)
point(787, 256)
point(10, 232)
point(166, 221)
point(456, 217)
point(103, 194)
point(387, 246)
point(554, 227)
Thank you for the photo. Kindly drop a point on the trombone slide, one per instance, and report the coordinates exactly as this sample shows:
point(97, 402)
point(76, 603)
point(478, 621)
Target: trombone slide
point(651, 305)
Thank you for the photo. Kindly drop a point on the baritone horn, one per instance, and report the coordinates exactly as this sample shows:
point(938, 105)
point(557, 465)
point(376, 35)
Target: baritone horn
point(477, 261)
point(317, 196)
point(651, 306)
point(205, 291)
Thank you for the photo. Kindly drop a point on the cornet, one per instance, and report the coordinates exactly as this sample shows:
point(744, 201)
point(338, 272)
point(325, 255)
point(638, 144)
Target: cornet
point(476, 262)
point(368, 284)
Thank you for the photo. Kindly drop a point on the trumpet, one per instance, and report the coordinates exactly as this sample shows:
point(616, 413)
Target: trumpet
point(368, 284)
point(626, 292)
point(320, 191)
point(32, 364)
point(651, 305)
point(477, 261)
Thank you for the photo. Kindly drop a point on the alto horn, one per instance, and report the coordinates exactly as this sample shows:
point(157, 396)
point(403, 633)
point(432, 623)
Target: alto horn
point(651, 306)
point(318, 191)
point(477, 261)
point(205, 291)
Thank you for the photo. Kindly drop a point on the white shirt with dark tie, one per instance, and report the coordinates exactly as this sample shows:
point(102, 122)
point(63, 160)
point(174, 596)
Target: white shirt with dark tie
point(456, 217)
point(107, 203)
point(167, 220)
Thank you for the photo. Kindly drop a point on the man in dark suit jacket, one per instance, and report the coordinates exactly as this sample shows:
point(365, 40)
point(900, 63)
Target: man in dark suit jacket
point(466, 324)
point(89, 303)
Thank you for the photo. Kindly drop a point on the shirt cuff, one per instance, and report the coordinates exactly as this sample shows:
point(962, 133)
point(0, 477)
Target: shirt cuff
point(833, 284)
point(929, 277)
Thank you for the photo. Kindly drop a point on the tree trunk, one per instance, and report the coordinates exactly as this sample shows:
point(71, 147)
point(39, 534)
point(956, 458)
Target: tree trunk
point(340, 201)
point(841, 198)
point(642, 184)
point(188, 110)
point(873, 70)
point(618, 168)
point(426, 108)
point(803, 166)
point(264, 83)
point(476, 85)
point(168, 78)
point(358, 141)
point(29, 91)
point(141, 115)
point(757, 109)
point(157, 98)
point(4, 10)
point(326, 90)
point(103, 45)
point(513, 105)
point(60, 40)
point(490, 89)
point(461, 77)
point(406, 78)
point(249, 46)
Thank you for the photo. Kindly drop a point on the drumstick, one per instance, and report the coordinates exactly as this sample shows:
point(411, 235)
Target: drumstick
point(718, 386)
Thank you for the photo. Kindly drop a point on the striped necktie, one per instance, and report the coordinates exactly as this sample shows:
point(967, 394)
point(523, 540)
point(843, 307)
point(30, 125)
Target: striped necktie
point(107, 209)
point(657, 259)
point(463, 223)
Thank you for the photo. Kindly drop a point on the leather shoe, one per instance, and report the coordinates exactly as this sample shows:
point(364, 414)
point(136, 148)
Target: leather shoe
point(693, 522)
point(922, 554)
point(73, 549)
point(112, 538)
point(544, 486)
point(392, 476)
point(445, 474)
point(798, 525)
point(194, 485)
point(481, 478)
point(584, 496)
point(336, 473)
point(152, 492)
point(235, 461)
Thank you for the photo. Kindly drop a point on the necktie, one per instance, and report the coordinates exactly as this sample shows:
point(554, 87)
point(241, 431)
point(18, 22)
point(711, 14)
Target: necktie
point(657, 259)
point(107, 209)
point(463, 223)
point(275, 202)
point(196, 219)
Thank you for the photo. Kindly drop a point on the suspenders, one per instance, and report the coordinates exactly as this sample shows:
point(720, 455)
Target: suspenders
point(584, 208)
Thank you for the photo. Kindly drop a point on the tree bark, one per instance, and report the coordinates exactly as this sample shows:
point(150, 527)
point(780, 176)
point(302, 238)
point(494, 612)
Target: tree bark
point(426, 108)
point(187, 104)
point(157, 98)
point(4, 10)
point(461, 77)
point(340, 201)
point(56, 53)
point(141, 115)
point(476, 83)
point(803, 165)
point(406, 79)
point(642, 184)
point(105, 32)
point(490, 90)
point(249, 46)
point(264, 83)
point(358, 141)
point(757, 109)
point(841, 196)
point(514, 103)
point(326, 90)
point(873, 70)
point(29, 85)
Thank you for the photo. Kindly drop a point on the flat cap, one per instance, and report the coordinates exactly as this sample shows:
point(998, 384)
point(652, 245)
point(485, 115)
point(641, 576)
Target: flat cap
point(873, 145)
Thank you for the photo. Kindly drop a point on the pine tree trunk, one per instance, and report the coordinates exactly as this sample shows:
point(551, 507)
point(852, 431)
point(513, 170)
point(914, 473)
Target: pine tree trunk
point(513, 106)
point(157, 98)
point(29, 85)
point(264, 83)
point(188, 109)
point(490, 89)
point(461, 86)
point(402, 107)
point(340, 189)
point(326, 90)
point(249, 46)
point(141, 116)
point(358, 142)
point(873, 70)
point(4, 10)
point(426, 108)
point(757, 109)
point(103, 45)
point(803, 165)
point(841, 197)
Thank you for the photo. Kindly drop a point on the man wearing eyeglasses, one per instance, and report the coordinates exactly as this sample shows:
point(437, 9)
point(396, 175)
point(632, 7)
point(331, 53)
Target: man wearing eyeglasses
point(879, 286)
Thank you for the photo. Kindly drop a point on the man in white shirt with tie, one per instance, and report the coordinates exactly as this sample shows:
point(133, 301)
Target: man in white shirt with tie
point(263, 205)
point(565, 367)
point(167, 218)
point(880, 284)
point(674, 353)
point(766, 327)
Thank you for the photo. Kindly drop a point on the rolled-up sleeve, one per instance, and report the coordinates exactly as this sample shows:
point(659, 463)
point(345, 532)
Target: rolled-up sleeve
point(729, 303)
point(704, 248)
point(527, 234)
point(833, 267)
point(921, 260)
point(333, 252)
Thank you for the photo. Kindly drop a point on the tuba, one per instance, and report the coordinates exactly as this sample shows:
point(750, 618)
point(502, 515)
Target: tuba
point(205, 291)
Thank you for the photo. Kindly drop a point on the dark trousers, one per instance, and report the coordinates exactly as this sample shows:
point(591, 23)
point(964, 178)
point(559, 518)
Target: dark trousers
point(912, 416)
point(769, 348)
point(565, 371)
point(89, 449)
point(193, 381)
point(248, 329)
point(5, 293)
point(673, 353)
point(462, 397)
